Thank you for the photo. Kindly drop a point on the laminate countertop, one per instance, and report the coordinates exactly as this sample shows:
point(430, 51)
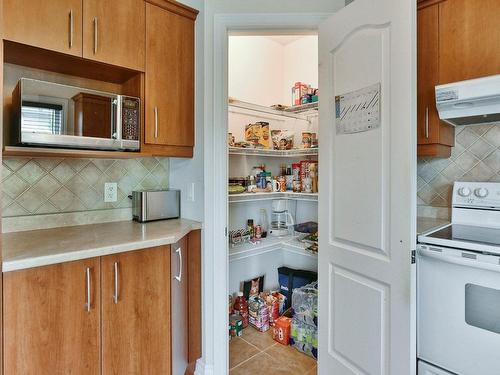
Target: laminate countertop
point(426, 224)
point(36, 248)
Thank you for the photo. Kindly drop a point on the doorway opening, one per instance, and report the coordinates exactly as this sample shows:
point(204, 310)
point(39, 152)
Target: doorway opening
point(272, 203)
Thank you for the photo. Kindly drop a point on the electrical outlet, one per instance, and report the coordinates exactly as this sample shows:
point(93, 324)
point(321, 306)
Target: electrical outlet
point(110, 192)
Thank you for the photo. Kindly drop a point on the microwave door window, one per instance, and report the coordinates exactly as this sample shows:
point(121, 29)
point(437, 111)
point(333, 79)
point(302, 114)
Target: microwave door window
point(46, 118)
point(93, 115)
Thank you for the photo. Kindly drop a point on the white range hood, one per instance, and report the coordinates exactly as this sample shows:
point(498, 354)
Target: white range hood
point(476, 101)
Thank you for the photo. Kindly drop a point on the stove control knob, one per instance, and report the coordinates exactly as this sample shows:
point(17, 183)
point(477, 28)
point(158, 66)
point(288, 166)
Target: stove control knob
point(464, 191)
point(481, 192)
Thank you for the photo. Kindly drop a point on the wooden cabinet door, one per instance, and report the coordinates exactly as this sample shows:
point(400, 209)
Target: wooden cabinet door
point(434, 137)
point(179, 300)
point(136, 312)
point(54, 25)
point(469, 38)
point(49, 328)
point(169, 78)
point(427, 73)
point(114, 32)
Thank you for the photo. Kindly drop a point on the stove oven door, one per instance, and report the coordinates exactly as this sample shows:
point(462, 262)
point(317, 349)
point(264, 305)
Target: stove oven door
point(458, 301)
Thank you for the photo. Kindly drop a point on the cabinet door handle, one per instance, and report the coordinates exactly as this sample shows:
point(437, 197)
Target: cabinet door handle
point(427, 122)
point(179, 276)
point(156, 122)
point(115, 295)
point(71, 28)
point(96, 34)
point(88, 304)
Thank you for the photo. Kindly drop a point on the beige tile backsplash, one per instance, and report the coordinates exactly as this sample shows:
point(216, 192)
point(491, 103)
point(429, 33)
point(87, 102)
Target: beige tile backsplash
point(32, 186)
point(475, 157)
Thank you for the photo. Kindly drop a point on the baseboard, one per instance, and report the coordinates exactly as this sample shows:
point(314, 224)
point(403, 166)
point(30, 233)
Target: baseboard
point(202, 368)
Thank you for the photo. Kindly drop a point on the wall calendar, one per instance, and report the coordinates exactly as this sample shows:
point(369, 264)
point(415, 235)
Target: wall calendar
point(358, 111)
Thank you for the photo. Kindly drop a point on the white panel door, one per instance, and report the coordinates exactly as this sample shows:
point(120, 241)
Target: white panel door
point(367, 188)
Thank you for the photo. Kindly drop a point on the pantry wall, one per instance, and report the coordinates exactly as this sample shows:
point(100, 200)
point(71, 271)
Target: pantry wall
point(271, 133)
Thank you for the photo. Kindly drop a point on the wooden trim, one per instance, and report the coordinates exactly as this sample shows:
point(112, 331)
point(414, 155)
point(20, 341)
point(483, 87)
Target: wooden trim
point(190, 369)
point(176, 7)
point(38, 58)
point(1, 142)
point(15, 151)
point(194, 295)
point(427, 3)
point(434, 150)
point(172, 151)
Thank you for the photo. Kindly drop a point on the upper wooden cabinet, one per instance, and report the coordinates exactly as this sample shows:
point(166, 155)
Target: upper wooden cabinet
point(54, 25)
point(52, 319)
point(169, 107)
point(457, 40)
point(469, 38)
point(113, 32)
point(101, 30)
point(434, 137)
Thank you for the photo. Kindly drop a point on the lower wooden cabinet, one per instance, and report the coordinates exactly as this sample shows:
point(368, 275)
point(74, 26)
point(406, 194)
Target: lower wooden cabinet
point(127, 313)
point(136, 312)
point(49, 325)
point(179, 298)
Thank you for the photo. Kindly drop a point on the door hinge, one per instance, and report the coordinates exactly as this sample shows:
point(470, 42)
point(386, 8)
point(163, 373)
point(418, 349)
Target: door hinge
point(413, 256)
point(225, 231)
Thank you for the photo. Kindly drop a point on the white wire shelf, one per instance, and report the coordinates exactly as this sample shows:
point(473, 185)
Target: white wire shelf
point(301, 108)
point(253, 197)
point(237, 104)
point(288, 243)
point(299, 152)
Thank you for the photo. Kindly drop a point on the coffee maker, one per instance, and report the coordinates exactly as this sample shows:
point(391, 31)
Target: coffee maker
point(281, 219)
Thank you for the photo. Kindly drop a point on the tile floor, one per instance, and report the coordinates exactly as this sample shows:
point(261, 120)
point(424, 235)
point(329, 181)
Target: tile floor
point(257, 353)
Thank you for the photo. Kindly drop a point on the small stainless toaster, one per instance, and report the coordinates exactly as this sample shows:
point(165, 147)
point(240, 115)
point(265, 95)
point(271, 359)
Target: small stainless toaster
point(149, 205)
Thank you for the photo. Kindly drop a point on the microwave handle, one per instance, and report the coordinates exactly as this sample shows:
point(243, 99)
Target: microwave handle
point(114, 117)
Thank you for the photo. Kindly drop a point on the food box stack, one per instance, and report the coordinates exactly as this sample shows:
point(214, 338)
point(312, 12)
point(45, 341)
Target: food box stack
point(258, 313)
point(304, 327)
point(275, 303)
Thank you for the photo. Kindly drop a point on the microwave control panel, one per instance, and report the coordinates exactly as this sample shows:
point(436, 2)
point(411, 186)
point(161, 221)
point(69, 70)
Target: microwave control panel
point(130, 118)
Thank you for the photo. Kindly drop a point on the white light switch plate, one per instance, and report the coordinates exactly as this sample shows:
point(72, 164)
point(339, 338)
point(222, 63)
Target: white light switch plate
point(110, 192)
point(190, 189)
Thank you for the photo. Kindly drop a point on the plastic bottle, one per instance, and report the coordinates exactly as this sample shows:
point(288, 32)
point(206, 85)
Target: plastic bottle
point(263, 222)
point(250, 228)
point(241, 307)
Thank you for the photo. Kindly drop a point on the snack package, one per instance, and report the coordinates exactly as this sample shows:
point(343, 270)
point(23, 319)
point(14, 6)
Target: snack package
point(282, 139)
point(254, 287)
point(281, 330)
point(258, 134)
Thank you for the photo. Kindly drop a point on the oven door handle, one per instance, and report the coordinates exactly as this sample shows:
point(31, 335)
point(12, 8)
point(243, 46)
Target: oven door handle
point(467, 259)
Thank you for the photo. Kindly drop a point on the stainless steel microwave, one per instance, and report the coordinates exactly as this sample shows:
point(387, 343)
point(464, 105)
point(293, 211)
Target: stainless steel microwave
point(55, 115)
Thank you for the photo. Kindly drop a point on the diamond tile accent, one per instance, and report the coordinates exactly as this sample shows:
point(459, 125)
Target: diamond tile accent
point(31, 172)
point(29, 200)
point(14, 186)
point(63, 172)
point(475, 157)
point(46, 185)
point(481, 148)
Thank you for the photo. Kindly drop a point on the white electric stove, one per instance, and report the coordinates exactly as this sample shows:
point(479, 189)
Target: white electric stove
point(458, 286)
